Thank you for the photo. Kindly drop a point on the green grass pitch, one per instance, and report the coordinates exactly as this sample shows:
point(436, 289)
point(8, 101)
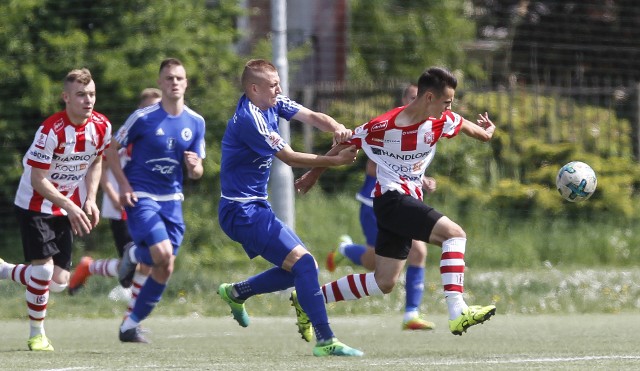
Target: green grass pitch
point(565, 342)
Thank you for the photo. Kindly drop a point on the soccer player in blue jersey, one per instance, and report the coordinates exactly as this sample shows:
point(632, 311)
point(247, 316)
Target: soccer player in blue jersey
point(249, 144)
point(164, 137)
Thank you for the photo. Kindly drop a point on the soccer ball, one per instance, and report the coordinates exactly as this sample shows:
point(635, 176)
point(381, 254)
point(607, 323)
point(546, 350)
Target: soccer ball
point(576, 181)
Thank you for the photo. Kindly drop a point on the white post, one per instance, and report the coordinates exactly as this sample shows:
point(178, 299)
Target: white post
point(281, 183)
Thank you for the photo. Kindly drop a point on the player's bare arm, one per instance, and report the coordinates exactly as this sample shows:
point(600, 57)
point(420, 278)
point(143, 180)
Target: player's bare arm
point(93, 181)
point(194, 165)
point(127, 197)
point(292, 158)
point(80, 223)
point(310, 178)
point(482, 130)
point(107, 187)
point(325, 123)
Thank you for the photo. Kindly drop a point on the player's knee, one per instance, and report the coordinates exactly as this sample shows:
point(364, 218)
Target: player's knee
point(386, 285)
point(454, 231)
point(306, 264)
point(57, 287)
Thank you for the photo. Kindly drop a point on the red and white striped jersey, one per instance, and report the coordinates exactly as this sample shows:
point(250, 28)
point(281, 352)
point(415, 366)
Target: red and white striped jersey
point(403, 153)
point(66, 151)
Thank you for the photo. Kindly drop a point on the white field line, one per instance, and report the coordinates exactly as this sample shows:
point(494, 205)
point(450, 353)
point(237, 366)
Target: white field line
point(514, 361)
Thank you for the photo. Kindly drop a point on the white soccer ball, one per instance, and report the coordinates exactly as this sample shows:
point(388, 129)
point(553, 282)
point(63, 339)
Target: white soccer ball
point(576, 181)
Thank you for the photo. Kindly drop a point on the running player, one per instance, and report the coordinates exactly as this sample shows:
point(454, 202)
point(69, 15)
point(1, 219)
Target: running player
point(365, 255)
point(51, 206)
point(402, 143)
point(250, 142)
point(112, 210)
point(164, 137)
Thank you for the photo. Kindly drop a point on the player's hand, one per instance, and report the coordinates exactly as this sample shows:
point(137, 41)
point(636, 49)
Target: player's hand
point(80, 223)
point(92, 211)
point(485, 123)
point(428, 184)
point(306, 181)
point(347, 155)
point(191, 159)
point(127, 196)
point(341, 135)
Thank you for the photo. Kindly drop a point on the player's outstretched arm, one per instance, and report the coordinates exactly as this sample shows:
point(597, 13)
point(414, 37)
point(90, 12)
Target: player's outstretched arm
point(310, 178)
point(325, 123)
point(340, 155)
point(482, 130)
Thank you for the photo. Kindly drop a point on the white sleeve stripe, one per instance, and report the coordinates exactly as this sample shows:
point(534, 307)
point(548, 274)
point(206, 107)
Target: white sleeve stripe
point(263, 128)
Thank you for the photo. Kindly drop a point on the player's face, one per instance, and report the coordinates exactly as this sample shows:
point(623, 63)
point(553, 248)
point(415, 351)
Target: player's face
point(436, 104)
point(79, 100)
point(267, 90)
point(173, 82)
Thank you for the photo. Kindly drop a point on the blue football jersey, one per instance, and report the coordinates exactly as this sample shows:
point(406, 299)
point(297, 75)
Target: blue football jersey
point(250, 140)
point(158, 143)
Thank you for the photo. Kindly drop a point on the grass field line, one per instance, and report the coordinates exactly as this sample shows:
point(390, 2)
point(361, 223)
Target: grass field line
point(507, 342)
point(538, 360)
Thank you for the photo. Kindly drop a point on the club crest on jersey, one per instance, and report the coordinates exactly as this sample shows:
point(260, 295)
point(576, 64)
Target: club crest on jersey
point(41, 141)
point(429, 138)
point(58, 125)
point(171, 143)
point(186, 134)
point(380, 126)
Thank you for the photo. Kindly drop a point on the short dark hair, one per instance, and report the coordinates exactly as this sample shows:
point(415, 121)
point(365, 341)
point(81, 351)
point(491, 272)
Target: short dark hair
point(169, 62)
point(436, 79)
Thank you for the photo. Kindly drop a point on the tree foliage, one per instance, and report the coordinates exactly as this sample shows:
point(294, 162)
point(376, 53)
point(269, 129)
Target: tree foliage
point(122, 43)
point(398, 39)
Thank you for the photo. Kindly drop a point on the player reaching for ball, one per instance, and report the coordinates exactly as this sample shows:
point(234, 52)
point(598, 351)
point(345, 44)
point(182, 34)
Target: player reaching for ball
point(402, 143)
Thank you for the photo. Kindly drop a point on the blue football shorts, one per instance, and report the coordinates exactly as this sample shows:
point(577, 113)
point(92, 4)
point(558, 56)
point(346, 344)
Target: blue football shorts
point(255, 226)
point(153, 221)
point(369, 224)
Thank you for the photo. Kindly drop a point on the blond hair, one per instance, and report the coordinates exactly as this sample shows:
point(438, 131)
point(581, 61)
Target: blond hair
point(254, 69)
point(82, 76)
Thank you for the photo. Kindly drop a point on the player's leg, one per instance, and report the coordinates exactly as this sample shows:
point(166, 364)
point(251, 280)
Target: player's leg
point(362, 255)
point(88, 266)
point(310, 307)
point(139, 278)
point(414, 287)
point(359, 285)
point(453, 240)
point(47, 240)
point(160, 226)
point(251, 224)
point(109, 267)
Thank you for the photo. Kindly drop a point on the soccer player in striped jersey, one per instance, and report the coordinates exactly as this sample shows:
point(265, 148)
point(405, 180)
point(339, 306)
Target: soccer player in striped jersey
point(164, 137)
point(402, 143)
point(348, 251)
point(53, 202)
point(113, 210)
point(250, 142)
